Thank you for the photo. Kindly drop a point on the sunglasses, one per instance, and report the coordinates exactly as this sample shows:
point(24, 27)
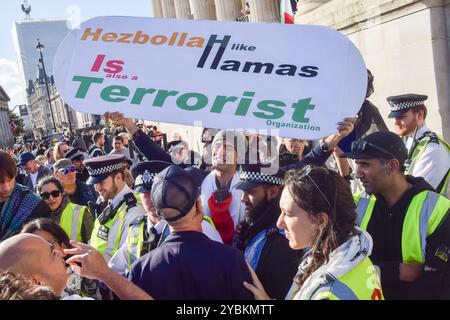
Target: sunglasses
point(362, 145)
point(67, 170)
point(305, 173)
point(54, 194)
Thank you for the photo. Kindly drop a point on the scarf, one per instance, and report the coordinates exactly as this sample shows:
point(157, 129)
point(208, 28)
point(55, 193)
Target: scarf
point(227, 214)
point(56, 215)
point(16, 211)
point(342, 260)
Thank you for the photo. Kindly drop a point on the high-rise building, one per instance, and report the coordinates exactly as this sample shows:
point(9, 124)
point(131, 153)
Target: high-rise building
point(25, 34)
point(50, 33)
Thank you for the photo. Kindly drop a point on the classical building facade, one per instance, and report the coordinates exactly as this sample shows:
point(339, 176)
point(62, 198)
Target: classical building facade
point(6, 135)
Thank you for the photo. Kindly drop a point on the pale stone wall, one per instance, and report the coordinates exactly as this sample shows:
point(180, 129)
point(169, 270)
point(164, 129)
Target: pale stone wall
point(405, 44)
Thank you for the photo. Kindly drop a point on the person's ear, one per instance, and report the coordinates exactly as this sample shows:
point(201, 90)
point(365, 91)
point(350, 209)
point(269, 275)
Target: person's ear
point(322, 220)
point(393, 166)
point(272, 192)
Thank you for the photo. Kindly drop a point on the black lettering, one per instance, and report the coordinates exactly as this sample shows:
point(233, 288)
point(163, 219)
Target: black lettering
point(286, 70)
point(309, 71)
point(258, 67)
point(230, 65)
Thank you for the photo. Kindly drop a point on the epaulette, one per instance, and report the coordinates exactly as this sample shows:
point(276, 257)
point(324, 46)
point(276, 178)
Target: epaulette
point(432, 136)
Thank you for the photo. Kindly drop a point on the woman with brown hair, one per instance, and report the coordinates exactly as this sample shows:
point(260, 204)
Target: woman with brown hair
point(318, 213)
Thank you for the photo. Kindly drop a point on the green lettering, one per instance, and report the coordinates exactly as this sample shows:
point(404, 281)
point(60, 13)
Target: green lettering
point(220, 102)
point(85, 85)
point(244, 104)
point(140, 94)
point(269, 106)
point(108, 93)
point(161, 97)
point(200, 103)
point(300, 109)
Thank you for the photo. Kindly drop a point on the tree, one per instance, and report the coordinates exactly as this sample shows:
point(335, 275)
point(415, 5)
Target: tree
point(16, 123)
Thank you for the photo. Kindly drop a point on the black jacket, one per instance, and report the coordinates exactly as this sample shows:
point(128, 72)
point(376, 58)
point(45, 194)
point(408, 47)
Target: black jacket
point(278, 263)
point(190, 266)
point(385, 227)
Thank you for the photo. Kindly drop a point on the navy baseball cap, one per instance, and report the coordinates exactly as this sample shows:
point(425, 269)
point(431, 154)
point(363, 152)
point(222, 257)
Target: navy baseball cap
point(176, 189)
point(382, 144)
point(25, 157)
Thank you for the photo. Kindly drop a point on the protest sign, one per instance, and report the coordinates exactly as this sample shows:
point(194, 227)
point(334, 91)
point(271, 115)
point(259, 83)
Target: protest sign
point(299, 79)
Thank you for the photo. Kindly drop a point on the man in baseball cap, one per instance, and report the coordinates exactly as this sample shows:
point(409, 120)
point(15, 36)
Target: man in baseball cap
point(189, 265)
point(398, 216)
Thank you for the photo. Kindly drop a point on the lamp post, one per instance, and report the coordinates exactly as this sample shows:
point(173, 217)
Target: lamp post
point(39, 47)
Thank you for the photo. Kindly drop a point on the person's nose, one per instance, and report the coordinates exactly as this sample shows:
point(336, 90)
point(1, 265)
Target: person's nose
point(359, 172)
point(280, 222)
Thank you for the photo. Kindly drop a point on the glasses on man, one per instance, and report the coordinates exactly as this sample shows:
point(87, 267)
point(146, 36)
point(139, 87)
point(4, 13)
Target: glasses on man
point(67, 170)
point(305, 173)
point(362, 145)
point(54, 194)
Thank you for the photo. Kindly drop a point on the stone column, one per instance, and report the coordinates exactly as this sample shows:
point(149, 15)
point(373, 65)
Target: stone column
point(228, 10)
point(168, 9)
point(157, 9)
point(264, 11)
point(203, 9)
point(183, 9)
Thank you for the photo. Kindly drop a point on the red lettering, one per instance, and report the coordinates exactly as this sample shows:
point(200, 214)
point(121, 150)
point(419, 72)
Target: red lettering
point(376, 294)
point(115, 66)
point(98, 63)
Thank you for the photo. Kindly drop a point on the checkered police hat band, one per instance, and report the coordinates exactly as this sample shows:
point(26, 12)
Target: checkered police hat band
point(145, 178)
point(405, 105)
point(105, 170)
point(258, 177)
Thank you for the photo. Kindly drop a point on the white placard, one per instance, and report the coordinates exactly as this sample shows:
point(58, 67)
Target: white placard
point(300, 79)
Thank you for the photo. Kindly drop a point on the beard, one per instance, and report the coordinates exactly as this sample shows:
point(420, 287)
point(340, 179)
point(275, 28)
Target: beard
point(252, 214)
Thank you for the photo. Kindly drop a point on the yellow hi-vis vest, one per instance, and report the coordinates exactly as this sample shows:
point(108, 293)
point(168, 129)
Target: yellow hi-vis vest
point(417, 154)
point(425, 213)
point(110, 246)
point(135, 240)
point(72, 220)
point(360, 283)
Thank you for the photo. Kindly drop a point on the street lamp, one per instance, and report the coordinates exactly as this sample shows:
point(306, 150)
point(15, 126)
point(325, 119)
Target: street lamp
point(39, 47)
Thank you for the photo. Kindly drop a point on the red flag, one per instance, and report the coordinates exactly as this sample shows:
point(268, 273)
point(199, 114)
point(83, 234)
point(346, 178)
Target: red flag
point(286, 14)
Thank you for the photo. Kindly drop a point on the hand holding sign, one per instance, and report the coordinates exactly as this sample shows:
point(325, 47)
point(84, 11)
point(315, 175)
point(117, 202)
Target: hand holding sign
point(228, 75)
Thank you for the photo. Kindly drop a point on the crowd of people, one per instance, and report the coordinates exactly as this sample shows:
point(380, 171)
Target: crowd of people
point(119, 214)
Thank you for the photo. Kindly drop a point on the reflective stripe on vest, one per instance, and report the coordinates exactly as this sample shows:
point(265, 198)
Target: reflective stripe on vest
point(72, 221)
point(109, 247)
point(364, 205)
point(209, 220)
point(425, 212)
point(360, 283)
point(135, 241)
point(417, 154)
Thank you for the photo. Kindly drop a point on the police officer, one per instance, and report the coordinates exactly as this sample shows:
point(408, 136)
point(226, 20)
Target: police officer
point(151, 230)
point(122, 208)
point(428, 153)
point(265, 247)
point(408, 221)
